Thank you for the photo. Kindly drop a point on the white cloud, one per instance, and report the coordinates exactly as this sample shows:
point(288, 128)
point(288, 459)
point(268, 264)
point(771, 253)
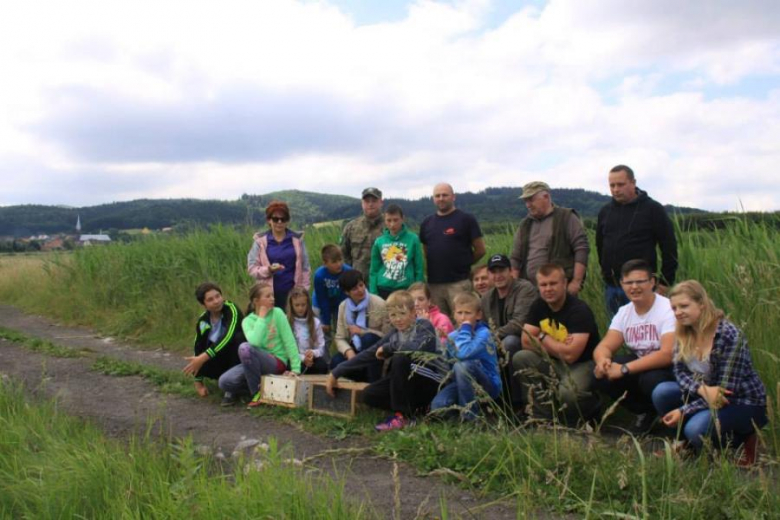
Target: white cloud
point(200, 99)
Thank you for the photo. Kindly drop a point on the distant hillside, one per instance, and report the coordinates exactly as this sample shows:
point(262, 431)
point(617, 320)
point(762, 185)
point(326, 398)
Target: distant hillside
point(489, 205)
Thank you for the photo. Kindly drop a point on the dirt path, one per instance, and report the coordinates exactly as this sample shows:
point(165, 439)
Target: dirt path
point(124, 405)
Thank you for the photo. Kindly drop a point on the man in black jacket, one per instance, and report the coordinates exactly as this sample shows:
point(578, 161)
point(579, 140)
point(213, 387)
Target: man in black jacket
point(630, 227)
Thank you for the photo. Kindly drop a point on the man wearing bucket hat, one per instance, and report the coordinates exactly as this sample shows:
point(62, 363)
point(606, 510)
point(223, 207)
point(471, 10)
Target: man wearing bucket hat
point(359, 234)
point(549, 234)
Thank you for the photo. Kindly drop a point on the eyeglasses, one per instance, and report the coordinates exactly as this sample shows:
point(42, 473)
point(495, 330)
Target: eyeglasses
point(278, 220)
point(637, 283)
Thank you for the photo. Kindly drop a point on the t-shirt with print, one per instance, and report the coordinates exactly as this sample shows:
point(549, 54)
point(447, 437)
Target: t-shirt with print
point(642, 334)
point(575, 317)
point(448, 240)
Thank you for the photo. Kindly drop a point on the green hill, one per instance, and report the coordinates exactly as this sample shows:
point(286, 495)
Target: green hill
point(489, 205)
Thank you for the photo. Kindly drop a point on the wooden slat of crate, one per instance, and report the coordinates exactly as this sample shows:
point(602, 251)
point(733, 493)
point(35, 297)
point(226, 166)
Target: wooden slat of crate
point(289, 391)
point(345, 403)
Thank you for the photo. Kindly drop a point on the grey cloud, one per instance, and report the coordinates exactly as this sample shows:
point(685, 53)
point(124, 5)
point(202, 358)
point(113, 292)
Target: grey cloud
point(241, 123)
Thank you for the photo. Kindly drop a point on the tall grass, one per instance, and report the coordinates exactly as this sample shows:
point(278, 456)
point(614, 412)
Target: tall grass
point(145, 290)
point(55, 466)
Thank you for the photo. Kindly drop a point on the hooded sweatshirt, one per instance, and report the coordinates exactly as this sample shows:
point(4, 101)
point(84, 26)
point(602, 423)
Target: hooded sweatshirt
point(396, 261)
point(631, 231)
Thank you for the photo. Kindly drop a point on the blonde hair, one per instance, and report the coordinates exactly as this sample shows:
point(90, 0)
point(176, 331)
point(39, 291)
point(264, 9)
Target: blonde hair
point(400, 299)
point(466, 299)
point(256, 290)
point(301, 292)
point(687, 336)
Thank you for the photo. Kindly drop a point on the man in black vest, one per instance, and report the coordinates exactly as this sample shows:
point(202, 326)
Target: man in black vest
point(549, 234)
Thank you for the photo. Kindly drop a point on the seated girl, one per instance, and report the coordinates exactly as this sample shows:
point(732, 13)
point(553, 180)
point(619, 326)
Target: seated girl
point(427, 311)
point(308, 332)
point(270, 347)
point(715, 377)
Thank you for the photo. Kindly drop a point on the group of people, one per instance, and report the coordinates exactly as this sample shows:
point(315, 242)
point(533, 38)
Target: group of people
point(387, 298)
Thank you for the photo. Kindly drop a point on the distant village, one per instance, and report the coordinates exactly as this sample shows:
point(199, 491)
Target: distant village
point(60, 241)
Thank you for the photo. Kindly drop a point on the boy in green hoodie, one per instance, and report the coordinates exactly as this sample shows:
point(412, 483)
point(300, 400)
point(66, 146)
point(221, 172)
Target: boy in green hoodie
point(396, 256)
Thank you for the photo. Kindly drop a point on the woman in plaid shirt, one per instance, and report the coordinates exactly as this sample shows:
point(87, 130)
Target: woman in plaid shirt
point(716, 380)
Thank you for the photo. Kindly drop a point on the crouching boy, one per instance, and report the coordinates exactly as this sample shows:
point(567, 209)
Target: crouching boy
point(217, 337)
point(475, 369)
point(412, 379)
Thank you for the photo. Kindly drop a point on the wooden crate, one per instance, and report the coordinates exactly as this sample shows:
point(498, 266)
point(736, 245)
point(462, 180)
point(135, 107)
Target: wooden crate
point(289, 391)
point(345, 404)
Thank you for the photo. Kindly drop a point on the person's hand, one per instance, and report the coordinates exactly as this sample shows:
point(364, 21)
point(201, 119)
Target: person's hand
point(569, 339)
point(275, 267)
point(602, 367)
point(614, 373)
point(194, 364)
point(424, 314)
point(672, 418)
point(574, 287)
point(349, 354)
point(289, 373)
point(308, 358)
point(715, 396)
point(354, 329)
point(262, 311)
point(380, 354)
point(330, 385)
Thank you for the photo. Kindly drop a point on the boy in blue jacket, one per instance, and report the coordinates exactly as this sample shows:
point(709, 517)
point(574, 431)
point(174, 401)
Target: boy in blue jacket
point(473, 350)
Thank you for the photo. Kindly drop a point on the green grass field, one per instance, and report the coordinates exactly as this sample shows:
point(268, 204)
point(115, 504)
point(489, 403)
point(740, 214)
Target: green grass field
point(144, 290)
point(55, 466)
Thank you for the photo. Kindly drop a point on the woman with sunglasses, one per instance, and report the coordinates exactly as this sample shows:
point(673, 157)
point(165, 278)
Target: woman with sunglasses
point(278, 256)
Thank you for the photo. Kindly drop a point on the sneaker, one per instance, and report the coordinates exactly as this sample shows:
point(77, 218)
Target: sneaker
point(394, 422)
point(228, 399)
point(749, 452)
point(255, 402)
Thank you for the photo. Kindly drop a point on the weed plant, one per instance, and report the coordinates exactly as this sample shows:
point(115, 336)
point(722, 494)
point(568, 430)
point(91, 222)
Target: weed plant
point(55, 466)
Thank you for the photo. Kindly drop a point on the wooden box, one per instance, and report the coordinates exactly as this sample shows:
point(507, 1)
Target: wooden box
point(289, 391)
point(345, 404)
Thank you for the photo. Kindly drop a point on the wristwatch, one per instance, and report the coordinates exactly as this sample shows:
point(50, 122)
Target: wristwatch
point(624, 369)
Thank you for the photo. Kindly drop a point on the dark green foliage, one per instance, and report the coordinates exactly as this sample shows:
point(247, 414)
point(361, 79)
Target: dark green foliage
point(492, 205)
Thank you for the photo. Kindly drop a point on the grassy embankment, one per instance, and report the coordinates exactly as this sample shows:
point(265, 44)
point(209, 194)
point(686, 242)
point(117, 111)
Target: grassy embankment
point(55, 466)
point(144, 290)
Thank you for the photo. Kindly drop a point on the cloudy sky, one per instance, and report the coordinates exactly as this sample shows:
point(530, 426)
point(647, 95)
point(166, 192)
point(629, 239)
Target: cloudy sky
point(104, 101)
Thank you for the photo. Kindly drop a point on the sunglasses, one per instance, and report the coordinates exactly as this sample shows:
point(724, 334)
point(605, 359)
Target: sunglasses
point(278, 220)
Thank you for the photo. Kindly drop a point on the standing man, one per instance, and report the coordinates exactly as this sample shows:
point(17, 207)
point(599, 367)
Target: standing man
point(549, 234)
point(561, 334)
point(452, 241)
point(630, 226)
point(359, 234)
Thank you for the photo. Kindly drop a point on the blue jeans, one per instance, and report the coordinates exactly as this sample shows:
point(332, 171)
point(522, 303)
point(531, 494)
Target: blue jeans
point(615, 298)
point(737, 421)
point(462, 392)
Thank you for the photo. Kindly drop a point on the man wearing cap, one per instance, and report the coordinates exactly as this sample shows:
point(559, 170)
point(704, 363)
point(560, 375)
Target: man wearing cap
point(452, 241)
point(505, 307)
point(549, 234)
point(631, 226)
point(359, 234)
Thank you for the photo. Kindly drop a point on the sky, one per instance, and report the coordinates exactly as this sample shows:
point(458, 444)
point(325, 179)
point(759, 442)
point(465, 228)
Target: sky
point(104, 101)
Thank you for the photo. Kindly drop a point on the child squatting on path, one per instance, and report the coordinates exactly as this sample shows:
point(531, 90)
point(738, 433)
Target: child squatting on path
point(217, 337)
point(270, 346)
point(308, 332)
point(411, 380)
point(475, 369)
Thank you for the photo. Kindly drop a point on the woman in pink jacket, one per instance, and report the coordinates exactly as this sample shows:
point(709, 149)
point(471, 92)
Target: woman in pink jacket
point(278, 256)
